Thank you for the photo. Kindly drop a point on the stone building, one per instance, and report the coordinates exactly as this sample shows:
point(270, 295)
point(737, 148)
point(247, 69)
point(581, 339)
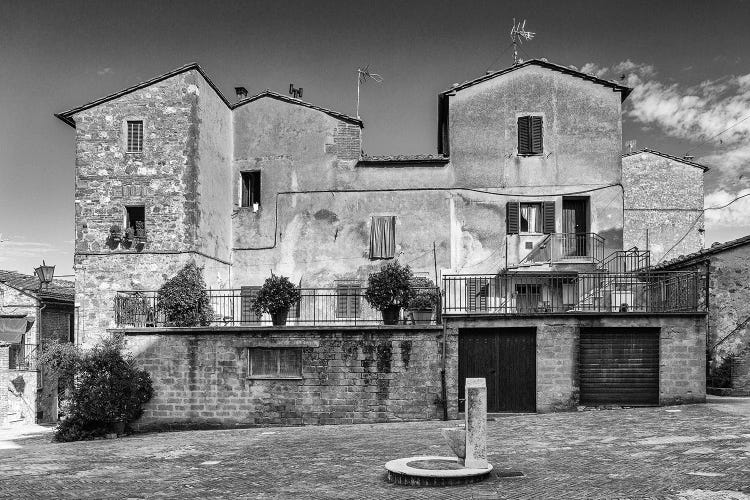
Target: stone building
point(30, 317)
point(725, 274)
point(519, 218)
point(663, 203)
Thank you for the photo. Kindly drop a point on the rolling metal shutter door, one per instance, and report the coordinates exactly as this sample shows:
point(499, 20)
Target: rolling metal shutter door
point(619, 366)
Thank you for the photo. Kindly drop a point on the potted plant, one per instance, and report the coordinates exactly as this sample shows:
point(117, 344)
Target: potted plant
point(389, 289)
point(422, 300)
point(115, 233)
point(276, 297)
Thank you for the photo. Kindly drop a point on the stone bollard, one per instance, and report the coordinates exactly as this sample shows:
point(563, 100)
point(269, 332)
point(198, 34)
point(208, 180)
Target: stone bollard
point(476, 423)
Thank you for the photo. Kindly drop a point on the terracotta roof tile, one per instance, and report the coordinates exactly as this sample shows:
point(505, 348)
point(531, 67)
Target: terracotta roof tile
point(58, 290)
point(715, 248)
point(670, 157)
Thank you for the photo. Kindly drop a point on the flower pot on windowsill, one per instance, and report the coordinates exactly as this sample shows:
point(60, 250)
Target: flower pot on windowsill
point(390, 315)
point(278, 318)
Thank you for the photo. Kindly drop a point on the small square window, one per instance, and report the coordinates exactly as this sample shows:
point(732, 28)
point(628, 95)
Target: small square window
point(272, 362)
point(530, 218)
point(135, 221)
point(530, 135)
point(135, 136)
point(250, 188)
point(348, 299)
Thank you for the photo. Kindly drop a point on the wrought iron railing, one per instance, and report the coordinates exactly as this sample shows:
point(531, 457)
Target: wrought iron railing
point(625, 261)
point(562, 247)
point(22, 357)
point(343, 305)
point(557, 292)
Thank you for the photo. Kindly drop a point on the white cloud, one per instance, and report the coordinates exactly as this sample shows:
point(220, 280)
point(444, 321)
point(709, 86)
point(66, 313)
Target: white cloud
point(736, 214)
point(104, 71)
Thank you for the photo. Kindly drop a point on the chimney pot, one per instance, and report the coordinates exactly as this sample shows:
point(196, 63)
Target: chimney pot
point(241, 92)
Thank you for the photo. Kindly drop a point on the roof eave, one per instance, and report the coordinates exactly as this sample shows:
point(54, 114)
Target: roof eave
point(299, 102)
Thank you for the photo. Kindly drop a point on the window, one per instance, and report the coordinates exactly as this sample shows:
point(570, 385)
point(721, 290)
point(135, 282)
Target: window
point(348, 299)
point(383, 237)
point(529, 135)
point(275, 362)
point(135, 220)
point(528, 298)
point(135, 136)
point(250, 188)
point(531, 218)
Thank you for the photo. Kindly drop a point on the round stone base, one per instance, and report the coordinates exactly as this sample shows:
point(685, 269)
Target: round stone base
point(433, 471)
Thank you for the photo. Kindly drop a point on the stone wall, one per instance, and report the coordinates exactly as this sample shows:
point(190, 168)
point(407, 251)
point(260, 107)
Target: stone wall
point(665, 197)
point(349, 375)
point(22, 397)
point(682, 355)
point(4, 380)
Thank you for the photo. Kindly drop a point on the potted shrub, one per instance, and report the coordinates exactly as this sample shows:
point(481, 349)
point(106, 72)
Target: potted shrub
point(184, 299)
point(422, 300)
point(276, 297)
point(115, 233)
point(389, 289)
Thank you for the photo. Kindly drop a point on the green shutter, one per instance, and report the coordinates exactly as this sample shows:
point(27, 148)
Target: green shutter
point(512, 217)
point(536, 135)
point(524, 135)
point(548, 215)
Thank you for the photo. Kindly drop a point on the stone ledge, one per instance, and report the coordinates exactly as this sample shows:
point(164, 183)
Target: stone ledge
point(212, 330)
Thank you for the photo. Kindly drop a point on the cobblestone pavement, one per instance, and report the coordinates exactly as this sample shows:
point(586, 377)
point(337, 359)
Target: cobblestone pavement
point(691, 452)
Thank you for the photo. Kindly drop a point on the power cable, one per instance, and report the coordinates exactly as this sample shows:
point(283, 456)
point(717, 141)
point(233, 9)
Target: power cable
point(499, 56)
point(747, 117)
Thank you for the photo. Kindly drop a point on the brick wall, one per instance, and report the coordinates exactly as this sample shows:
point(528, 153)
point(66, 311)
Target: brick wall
point(348, 141)
point(4, 349)
point(349, 375)
point(682, 355)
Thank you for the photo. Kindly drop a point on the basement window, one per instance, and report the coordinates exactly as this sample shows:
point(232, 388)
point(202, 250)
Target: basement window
point(135, 221)
point(275, 362)
point(251, 189)
point(135, 136)
point(530, 135)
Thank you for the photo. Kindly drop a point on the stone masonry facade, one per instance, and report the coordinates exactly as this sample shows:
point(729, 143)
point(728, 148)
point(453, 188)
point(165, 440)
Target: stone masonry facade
point(682, 355)
point(663, 196)
point(348, 375)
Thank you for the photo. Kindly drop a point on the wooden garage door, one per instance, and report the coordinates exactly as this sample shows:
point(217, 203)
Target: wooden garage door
point(506, 357)
point(619, 366)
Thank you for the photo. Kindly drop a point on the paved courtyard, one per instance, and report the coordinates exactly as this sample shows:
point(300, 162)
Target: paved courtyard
point(692, 452)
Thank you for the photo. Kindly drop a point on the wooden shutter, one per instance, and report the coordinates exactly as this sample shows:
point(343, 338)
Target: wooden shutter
point(512, 217)
point(548, 214)
point(536, 135)
point(524, 135)
point(247, 297)
point(477, 291)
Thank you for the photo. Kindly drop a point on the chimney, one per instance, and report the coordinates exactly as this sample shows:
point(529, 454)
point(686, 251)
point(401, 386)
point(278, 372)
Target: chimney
point(241, 92)
point(688, 157)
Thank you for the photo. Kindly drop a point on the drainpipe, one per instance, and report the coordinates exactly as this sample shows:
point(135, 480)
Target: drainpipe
point(442, 375)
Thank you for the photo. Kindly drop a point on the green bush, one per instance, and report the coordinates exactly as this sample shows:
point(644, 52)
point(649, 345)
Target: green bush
point(423, 295)
point(106, 388)
point(184, 298)
point(390, 286)
point(276, 295)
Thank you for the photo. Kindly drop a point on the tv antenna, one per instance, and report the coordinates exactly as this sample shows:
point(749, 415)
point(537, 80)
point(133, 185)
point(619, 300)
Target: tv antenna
point(363, 74)
point(518, 33)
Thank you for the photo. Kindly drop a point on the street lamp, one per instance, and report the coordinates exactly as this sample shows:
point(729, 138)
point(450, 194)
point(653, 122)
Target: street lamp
point(45, 274)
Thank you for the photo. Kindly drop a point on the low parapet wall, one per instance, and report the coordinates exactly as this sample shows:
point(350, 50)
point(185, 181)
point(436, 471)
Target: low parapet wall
point(227, 377)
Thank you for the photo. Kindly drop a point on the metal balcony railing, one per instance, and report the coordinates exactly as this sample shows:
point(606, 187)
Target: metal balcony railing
point(343, 305)
point(562, 247)
point(22, 357)
point(516, 292)
point(623, 261)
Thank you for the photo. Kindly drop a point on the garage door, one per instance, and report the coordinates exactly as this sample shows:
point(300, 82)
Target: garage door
point(619, 366)
point(506, 358)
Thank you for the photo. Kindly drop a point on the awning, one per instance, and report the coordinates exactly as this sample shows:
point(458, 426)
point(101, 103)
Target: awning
point(12, 329)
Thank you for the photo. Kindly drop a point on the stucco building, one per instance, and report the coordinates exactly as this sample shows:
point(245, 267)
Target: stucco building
point(30, 317)
point(518, 216)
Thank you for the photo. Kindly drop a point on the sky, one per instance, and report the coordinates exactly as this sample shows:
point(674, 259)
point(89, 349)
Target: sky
point(687, 61)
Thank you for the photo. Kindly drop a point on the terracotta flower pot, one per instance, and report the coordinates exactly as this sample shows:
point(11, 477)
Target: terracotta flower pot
point(390, 315)
point(279, 317)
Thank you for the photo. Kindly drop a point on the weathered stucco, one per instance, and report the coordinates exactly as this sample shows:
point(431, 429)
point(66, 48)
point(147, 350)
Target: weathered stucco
point(664, 197)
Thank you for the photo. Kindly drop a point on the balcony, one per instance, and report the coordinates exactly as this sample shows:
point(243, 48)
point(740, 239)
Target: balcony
point(317, 307)
point(513, 293)
point(566, 248)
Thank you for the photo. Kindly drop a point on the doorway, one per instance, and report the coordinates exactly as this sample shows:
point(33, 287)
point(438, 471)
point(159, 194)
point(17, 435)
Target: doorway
point(575, 226)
